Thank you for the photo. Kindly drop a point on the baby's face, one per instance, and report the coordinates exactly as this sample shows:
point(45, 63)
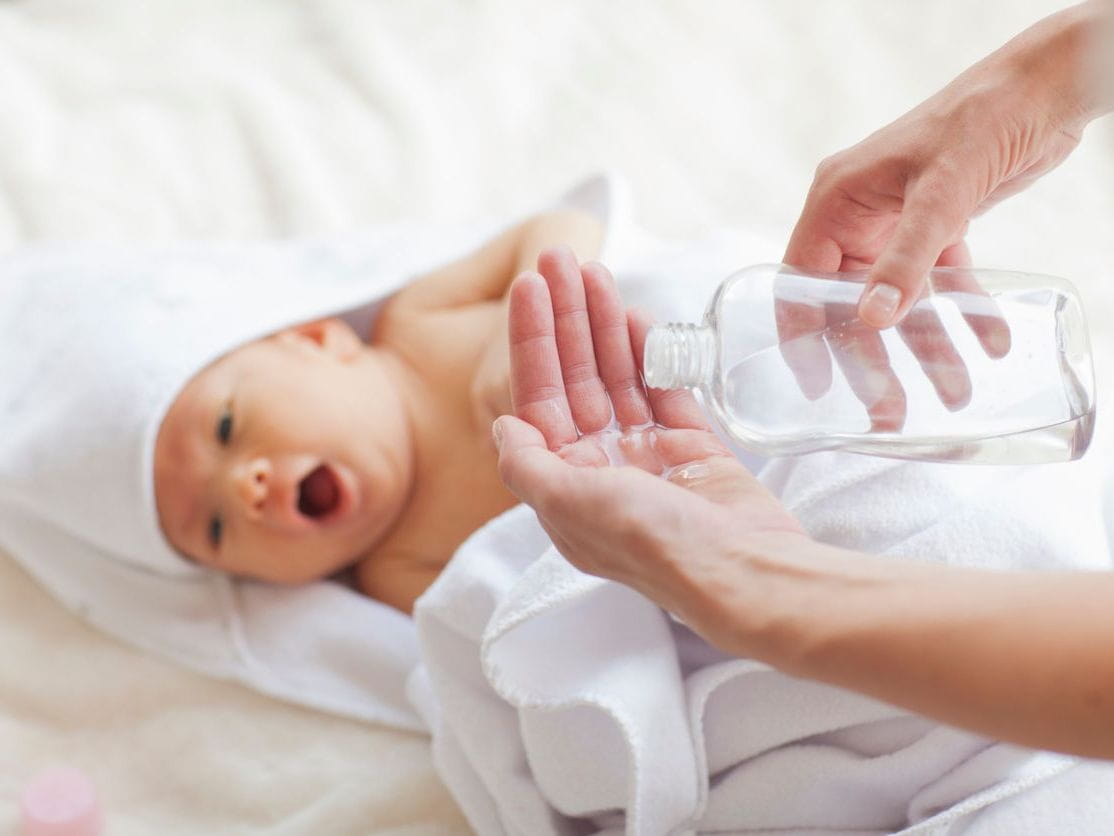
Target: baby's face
point(286, 459)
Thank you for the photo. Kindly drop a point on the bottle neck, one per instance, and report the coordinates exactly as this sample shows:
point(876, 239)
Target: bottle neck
point(679, 355)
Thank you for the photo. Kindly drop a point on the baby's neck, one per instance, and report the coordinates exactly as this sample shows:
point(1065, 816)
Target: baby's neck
point(454, 489)
point(419, 399)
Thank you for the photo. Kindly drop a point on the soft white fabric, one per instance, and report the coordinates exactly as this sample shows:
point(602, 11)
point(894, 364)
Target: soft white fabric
point(556, 697)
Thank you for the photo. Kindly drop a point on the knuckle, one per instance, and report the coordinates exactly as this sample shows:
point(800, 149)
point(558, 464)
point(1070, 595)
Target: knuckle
point(579, 371)
point(542, 393)
point(624, 385)
point(828, 169)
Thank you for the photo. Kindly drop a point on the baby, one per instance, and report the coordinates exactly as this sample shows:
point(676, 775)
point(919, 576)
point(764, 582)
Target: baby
point(310, 452)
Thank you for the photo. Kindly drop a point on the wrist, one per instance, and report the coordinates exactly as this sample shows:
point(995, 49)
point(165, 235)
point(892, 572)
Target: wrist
point(749, 599)
point(800, 606)
point(1057, 62)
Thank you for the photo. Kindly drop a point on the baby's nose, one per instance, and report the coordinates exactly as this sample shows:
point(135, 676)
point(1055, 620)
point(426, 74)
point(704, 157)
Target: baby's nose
point(253, 481)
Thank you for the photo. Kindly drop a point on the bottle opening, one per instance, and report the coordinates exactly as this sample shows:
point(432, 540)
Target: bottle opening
point(678, 355)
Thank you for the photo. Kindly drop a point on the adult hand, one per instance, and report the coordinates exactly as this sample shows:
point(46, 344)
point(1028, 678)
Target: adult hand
point(900, 201)
point(578, 397)
point(812, 332)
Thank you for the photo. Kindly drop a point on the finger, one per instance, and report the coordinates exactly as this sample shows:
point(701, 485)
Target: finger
point(670, 407)
point(811, 245)
point(800, 326)
point(566, 498)
point(931, 219)
point(860, 353)
point(957, 254)
point(531, 471)
point(614, 357)
point(924, 333)
point(537, 388)
point(587, 398)
point(978, 307)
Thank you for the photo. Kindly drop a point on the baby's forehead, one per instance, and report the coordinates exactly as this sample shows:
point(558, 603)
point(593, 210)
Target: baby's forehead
point(245, 355)
point(210, 379)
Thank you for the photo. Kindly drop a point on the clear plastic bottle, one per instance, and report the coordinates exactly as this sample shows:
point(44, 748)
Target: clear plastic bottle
point(989, 367)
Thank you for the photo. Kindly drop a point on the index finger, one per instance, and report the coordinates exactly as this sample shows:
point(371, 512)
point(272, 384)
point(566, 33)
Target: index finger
point(673, 408)
point(537, 386)
point(574, 333)
point(979, 309)
point(799, 323)
point(612, 339)
point(800, 330)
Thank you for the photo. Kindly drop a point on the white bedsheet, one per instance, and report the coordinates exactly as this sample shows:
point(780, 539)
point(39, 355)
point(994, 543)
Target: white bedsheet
point(132, 120)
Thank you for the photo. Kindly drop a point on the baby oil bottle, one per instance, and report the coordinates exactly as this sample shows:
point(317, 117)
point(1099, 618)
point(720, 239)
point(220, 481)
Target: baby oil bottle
point(988, 366)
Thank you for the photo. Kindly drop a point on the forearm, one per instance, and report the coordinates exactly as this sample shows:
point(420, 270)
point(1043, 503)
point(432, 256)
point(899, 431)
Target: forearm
point(1008, 655)
point(1058, 62)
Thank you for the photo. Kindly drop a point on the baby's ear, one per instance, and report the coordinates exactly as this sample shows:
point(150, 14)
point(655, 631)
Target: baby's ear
point(332, 335)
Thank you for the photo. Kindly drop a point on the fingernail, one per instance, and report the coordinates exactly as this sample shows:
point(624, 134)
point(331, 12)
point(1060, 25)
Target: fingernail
point(497, 432)
point(879, 304)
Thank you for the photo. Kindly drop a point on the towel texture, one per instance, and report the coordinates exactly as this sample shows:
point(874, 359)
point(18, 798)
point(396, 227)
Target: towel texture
point(561, 702)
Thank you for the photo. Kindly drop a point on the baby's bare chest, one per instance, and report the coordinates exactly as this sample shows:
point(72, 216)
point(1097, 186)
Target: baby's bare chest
point(456, 487)
point(456, 490)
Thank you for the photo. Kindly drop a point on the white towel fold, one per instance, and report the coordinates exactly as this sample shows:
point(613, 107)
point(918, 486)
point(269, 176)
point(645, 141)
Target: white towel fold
point(588, 708)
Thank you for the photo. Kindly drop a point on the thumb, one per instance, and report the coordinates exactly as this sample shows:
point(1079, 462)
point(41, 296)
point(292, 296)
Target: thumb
point(529, 469)
point(932, 219)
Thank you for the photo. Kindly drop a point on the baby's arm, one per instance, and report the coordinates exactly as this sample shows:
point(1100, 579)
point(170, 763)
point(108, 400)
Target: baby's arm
point(485, 274)
point(484, 277)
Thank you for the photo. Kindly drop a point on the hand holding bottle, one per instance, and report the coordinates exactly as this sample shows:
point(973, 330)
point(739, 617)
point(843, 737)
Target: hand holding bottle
point(944, 386)
point(812, 335)
point(899, 202)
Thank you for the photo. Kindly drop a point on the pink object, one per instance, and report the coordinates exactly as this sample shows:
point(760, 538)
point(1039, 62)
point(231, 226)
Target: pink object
point(60, 802)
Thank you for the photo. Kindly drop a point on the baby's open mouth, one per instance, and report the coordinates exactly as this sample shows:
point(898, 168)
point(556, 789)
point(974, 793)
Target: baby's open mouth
point(319, 493)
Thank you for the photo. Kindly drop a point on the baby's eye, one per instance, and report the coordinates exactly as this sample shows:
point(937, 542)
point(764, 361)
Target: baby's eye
point(216, 528)
point(224, 425)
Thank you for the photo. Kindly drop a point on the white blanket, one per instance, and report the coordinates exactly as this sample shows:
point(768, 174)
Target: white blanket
point(560, 701)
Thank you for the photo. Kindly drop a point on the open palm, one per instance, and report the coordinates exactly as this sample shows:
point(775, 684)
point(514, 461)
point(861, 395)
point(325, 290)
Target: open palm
point(581, 406)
